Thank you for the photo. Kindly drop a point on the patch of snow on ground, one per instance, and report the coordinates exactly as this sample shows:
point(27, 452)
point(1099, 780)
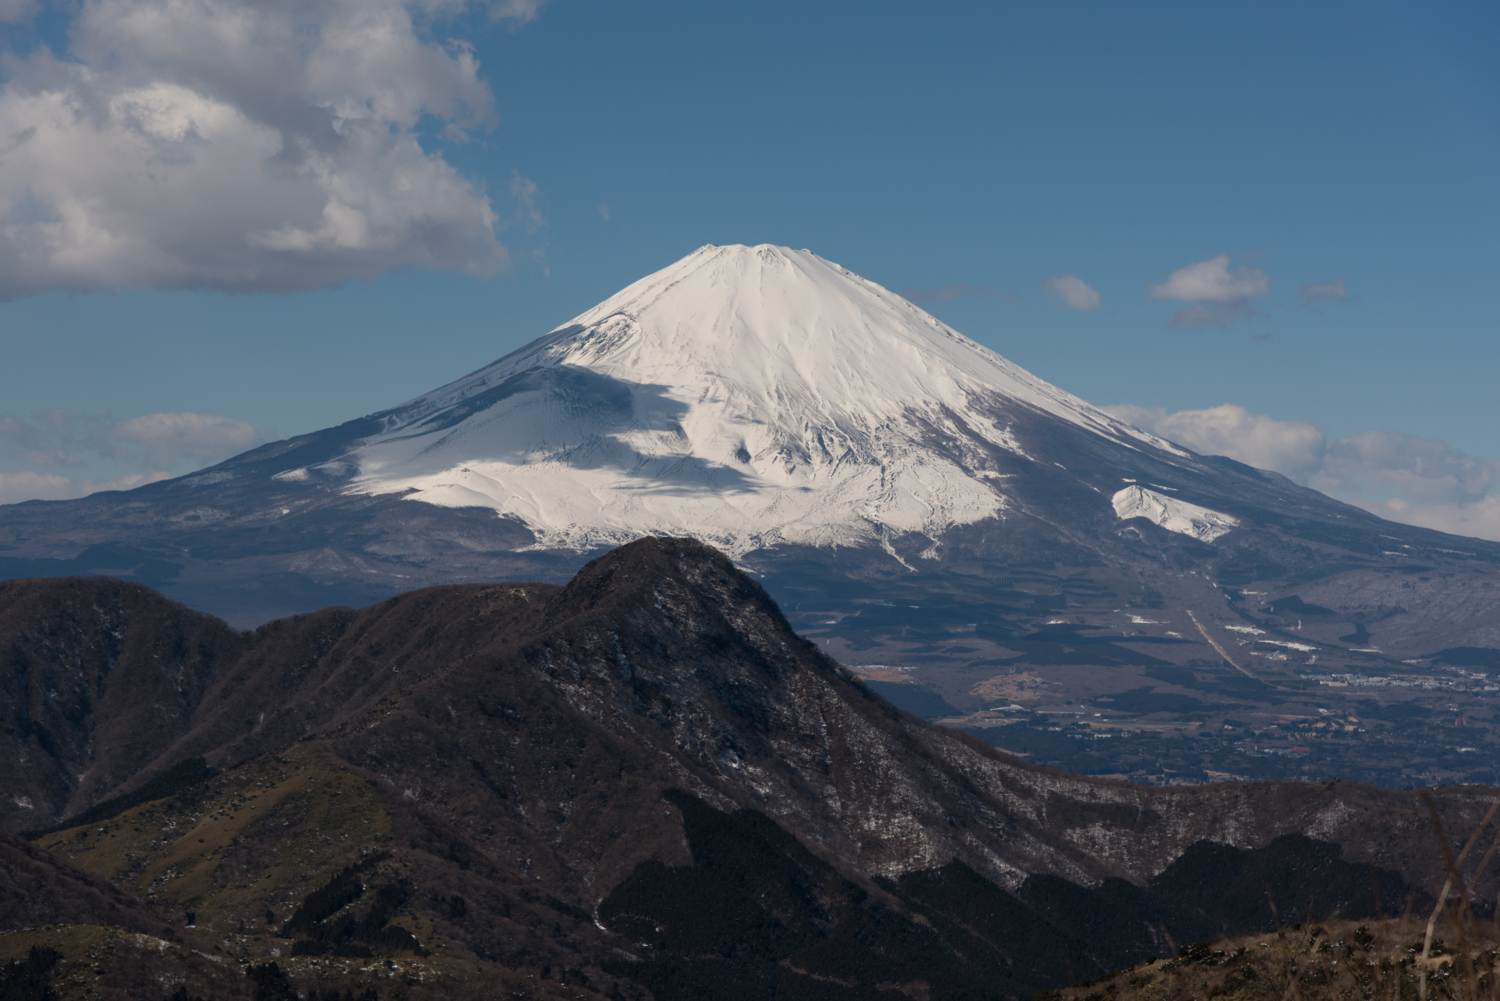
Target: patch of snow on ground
point(1172, 514)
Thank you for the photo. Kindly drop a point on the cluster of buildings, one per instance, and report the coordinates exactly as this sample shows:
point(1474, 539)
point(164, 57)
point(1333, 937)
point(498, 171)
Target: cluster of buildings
point(1468, 680)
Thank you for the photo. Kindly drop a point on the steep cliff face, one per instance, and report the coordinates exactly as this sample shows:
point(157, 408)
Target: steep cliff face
point(581, 751)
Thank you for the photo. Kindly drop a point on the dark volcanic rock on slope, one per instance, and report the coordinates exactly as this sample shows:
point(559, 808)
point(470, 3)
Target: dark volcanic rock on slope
point(621, 750)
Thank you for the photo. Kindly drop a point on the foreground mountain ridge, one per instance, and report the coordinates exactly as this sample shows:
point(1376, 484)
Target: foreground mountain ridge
point(552, 779)
point(111, 683)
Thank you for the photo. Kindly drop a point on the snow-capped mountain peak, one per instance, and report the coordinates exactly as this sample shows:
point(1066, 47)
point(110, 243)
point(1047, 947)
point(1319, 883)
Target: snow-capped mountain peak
point(745, 395)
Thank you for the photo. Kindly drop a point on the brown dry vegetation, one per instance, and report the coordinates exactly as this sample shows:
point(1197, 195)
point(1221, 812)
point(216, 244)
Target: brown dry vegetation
point(1332, 961)
point(110, 964)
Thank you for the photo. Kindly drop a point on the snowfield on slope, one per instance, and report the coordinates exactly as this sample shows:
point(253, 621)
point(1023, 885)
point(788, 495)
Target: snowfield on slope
point(1172, 514)
point(747, 396)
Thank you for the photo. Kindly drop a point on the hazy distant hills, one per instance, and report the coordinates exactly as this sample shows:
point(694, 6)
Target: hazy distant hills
point(643, 780)
point(910, 498)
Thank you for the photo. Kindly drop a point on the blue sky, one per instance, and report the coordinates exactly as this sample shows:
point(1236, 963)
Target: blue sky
point(169, 249)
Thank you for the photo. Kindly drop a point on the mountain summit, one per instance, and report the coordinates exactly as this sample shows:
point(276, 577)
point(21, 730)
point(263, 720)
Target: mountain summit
point(749, 396)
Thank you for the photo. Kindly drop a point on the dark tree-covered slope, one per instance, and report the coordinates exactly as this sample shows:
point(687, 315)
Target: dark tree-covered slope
point(643, 780)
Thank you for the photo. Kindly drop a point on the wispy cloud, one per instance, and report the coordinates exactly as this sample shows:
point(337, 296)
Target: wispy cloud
point(603, 211)
point(29, 485)
point(517, 12)
point(1323, 291)
point(148, 448)
point(1072, 292)
point(1418, 481)
point(1212, 314)
point(528, 212)
point(1217, 296)
point(242, 146)
point(952, 293)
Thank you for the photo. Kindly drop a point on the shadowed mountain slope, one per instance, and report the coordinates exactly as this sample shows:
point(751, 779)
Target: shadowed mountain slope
point(535, 777)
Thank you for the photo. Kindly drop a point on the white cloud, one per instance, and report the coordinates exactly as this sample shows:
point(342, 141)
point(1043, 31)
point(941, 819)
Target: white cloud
point(1212, 281)
point(28, 485)
point(1480, 520)
point(17, 10)
point(61, 438)
point(163, 438)
point(1290, 447)
point(1219, 296)
point(1072, 292)
point(1418, 481)
point(1319, 291)
point(242, 146)
point(603, 211)
point(1418, 470)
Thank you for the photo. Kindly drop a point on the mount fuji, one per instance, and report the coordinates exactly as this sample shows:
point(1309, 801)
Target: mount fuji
point(914, 501)
point(748, 396)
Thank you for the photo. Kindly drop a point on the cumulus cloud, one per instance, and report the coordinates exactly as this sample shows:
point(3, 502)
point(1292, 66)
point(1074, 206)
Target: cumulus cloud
point(62, 438)
point(1480, 520)
point(1418, 481)
point(1073, 293)
point(951, 293)
point(242, 146)
point(1290, 447)
point(1217, 296)
point(1322, 291)
point(1417, 470)
point(1212, 281)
